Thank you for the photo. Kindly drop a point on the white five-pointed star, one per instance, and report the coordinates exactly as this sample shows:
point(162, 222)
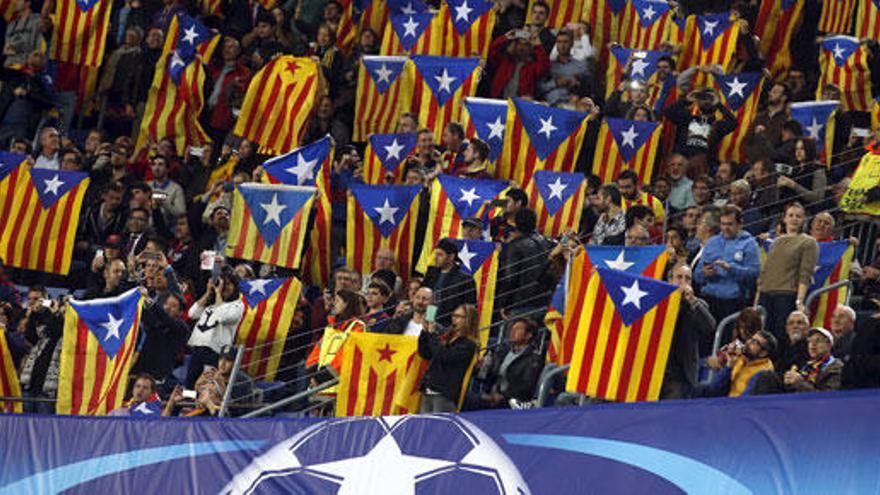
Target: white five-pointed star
point(444, 81)
point(303, 170)
point(112, 326)
point(465, 255)
point(469, 196)
point(619, 263)
point(393, 150)
point(547, 126)
point(709, 27)
point(838, 51)
point(384, 74)
point(273, 210)
point(814, 129)
point(629, 136)
point(176, 60)
point(633, 295)
point(258, 286)
point(52, 185)
point(143, 409)
point(736, 87)
point(386, 212)
point(408, 9)
point(409, 27)
point(556, 189)
point(190, 35)
point(638, 66)
point(496, 129)
point(648, 13)
point(463, 11)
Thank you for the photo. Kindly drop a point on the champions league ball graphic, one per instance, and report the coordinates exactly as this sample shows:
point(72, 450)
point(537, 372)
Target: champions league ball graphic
point(422, 454)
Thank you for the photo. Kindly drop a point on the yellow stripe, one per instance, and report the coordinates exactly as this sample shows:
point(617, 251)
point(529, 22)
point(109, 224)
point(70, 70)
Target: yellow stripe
point(665, 343)
point(10, 373)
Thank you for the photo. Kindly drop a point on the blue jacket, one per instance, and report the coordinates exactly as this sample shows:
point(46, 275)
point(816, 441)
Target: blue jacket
point(741, 253)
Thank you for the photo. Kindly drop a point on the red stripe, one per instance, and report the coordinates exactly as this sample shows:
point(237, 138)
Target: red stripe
point(99, 368)
point(635, 333)
point(31, 203)
point(295, 135)
point(238, 252)
point(580, 284)
point(282, 117)
point(651, 353)
point(610, 351)
point(589, 349)
point(255, 111)
point(360, 229)
point(63, 245)
point(121, 367)
point(354, 381)
point(441, 205)
point(370, 399)
point(388, 399)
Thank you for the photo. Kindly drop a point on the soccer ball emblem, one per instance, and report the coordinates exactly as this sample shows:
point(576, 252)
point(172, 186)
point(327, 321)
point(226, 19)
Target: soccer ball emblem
point(422, 454)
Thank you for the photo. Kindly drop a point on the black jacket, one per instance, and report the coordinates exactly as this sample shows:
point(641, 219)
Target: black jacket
point(520, 379)
point(693, 323)
point(861, 368)
point(451, 290)
point(449, 363)
point(161, 340)
point(522, 265)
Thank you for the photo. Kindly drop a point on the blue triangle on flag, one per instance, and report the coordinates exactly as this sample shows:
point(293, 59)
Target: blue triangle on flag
point(148, 409)
point(258, 290)
point(622, 54)
point(110, 320)
point(630, 135)
point(489, 118)
point(392, 149)
point(86, 5)
point(9, 161)
point(302, 166)
point(633, 295)
point(385, 206)
point(737, 88)
point(469, 195)
point(472, 254)
point(712, 26)
point(409, 27)
point(840, 48)
point(633, 259)
point(814, 116)
point(177, 64)
point(830, 254)
point(557, 302)
point(274, 206)
point(644, 65)
point(547, 127)
point(465, 12)
point(556, 188)
point(444, 75)
point(649, 11)
point(406, 6)
point(51, 185)
point(190, 35)
point(617, 6)
point(384, 70)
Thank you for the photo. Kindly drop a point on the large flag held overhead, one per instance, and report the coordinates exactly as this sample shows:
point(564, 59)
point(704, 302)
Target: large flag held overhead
point(269, 223)
point(39, 214)
point(778, 20)
point(643, 67)
point(383, 156)
point(79, 31)
point(469, 26)
point(844, 62)
point(623, 337)
point(479, 259)
point(416, 33)
point(558, 200)
point(485, 118)
point(741, 93)
point(9, 385)
point(380, 375)
point(540, 137)
point(709, 39)
point(99, 341)
point(384, 91)
point(604, 18)
point(453, 200)
point(645, 24)
point(626, 145)
point(561, 12)
point(868, 19)
point(381, 217)
point(832, 267)
point(278, 103)
point(837, 16)
point(817, 119)
point(440, 86)
point(269, 307)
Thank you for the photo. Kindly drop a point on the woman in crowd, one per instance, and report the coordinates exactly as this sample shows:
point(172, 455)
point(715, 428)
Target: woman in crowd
point(451, 356)
point(218, 312)
point(807, 181)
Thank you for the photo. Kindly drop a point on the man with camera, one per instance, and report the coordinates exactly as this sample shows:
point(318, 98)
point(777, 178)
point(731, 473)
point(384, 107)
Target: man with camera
point(699, 129)
point(167, 195)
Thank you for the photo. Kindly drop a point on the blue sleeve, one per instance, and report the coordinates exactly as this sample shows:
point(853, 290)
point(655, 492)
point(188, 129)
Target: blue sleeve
point(720, 384)
point(750, 267)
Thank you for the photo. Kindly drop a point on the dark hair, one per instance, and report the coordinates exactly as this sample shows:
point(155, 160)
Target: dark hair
point(159, 157)
point(531, 327)
point(526, 220)
point(594, 182)
point(480, 147)
point(732, 210)
point(447, 245)
point(518, 195)
point(705, 179)
point(612, 192)
point(140, 209)
point(38, 288)
point(229, 277)
point(794, 127)
point(180, 299)
point(266, 17)
point(380, 286)
point(456, 129)
point(352, 304)
point(809, 150)
point(771, 341)
point(629, 175)
point(749, 320)
point(145, 376)
point(786, 91)
point(18, 139)
point(541, 3)
point(637, 212)
point(667, 58)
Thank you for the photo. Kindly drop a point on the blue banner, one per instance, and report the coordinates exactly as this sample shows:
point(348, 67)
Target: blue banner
point(812, 443)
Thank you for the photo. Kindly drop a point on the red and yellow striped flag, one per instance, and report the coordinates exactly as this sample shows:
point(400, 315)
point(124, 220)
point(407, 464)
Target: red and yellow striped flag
point(79, 31)
point(469, 26)
point(269, 305)
point(709, 40)
point(384, 91)
point(269, 223)
point(346, 30)
point(844, 62)
point(210, 7)
point(626, 145)
point(875, 114)
point(539, 137)
point(97, 351)
point(419, 33)
point(623, 337)
point(39, 214)
point(278, 103)
point(742, 94)
point(868, 19)
point(645, 24)
point(9, 10)
point(558, 200)
point(561, 12)
point(479, 259)
point(604, 18)
point(383, 156)
point(833, 265)
point(374, 15)
point(9, 385)
point(440, 86)
point(837, 16)
point(778, 20)
point(646, 199)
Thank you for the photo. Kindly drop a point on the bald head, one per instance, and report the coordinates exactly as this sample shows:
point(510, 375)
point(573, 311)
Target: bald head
point(822, 226)
point(423, 298)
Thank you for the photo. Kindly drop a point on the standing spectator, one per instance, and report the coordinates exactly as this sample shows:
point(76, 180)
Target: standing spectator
point(409, 316)
point(452, 288)
point(226, 89)
point(168, 195)
point(765, 133)
point(502, 225)
point(568, 77)
point(765, 193)
point(43, 327)
point(632, 194)
point(218, 312)
point(540, 16)
point(450, 356)
point(49, 151)
point(611, 225)
point(26, 94)
point(164, 336)
point(518, 62)
point(23, 34)
point(118, 84)
point(698, 132)
point(106, 217)
point(521, 266)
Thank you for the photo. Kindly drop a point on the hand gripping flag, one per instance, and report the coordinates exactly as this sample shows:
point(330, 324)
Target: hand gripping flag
point(833, 266)
point(9, 385)
point(381, 217)
point(469, 26)
point(79, 31)
point(269, 307)
point(39, 215)
point(417, 33)
point(868, 19)
point(278, 103)
point(440, 86)
point(384, 91)
point(99, 341)
point(479, 259)
point(709, 39)
point(269, 223)
point(604, 18)
point(485, 118)
point(649, 261)
point(741, 93)
point(645, 24)
point(453, 200)
point(844, 62)
point(623, 337)
point(540, 138)
point(561, 12)
point(558, 200)
point(837, 16)
point(778, 20)
point(626, 145)
point(380, 375)
point(817, 119)
point(383, 156)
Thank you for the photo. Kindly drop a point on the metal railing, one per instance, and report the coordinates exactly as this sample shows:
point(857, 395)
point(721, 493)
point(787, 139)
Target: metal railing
point(550, 372)
point(293, 398)
point(812, 296)
point(719, 332)
point(236, 368)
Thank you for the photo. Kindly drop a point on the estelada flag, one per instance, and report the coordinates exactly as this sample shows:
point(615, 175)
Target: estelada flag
point(381, 217)
point(778, 20)
point(383, 156)
point(832, 267)
point(646, 199)
point(346, 29)
point(645, 24)
point(479, 259)
point(99, 342)
point(868, 19)
point(380, 375)
point(626, 145)
point(39, 214)
point(539, 137)
point(709, 39)
point(269, 223)
point(269, 305)
point(837, 16)
point(741, 93)
point(604, 18)
point(384, 91)
point(79, 31)
point(310, 165)
point(485, 118)
point(844, 62)
point(561, 13)
point(453, 200)
point(418, 33)
point(643, 68)
point(469, 26)
point(9, 385)
point(623, 337)
point(558, 200)
point(817, 119)
point(649, 261)
point(440, 86)
point(278, 103)
point(553, 320)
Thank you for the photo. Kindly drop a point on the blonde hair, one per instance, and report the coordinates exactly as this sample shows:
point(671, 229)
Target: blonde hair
point(471, 328)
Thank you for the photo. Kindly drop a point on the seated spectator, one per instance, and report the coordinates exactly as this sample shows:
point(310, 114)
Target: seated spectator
point(518, 61)
point(344, 317)
point(454, 146)
point(144, 399)
point(708, 225)
point(610, 227)
point(681, 194)
point(243, 391)
point(475, 157)
point(644, 216)
point(702, 189)
point(511, 370)
point(637, 235)
point(862, 366)
point(452, 287)
point(741, 197)
point(385, 261)
point(472, 229)
point(450, 355)
point(49, 155)
point(747, 324)
point(843, 324)
point(765, 193)
point(806, 182)
point(209, 389)
point(218, 313)
point(740, 375)
point(795, 356)
point(822, 372)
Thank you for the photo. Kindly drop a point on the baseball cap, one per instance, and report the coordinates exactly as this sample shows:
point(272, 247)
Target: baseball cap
point(822, 331)
point(473, 222)
point(227, 352)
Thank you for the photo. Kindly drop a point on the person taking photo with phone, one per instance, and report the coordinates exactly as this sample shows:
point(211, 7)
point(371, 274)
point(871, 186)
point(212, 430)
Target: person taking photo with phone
point(451, 355)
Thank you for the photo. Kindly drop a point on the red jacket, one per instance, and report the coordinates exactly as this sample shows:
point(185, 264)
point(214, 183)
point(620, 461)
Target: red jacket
point(234, 81)
point(504, 65)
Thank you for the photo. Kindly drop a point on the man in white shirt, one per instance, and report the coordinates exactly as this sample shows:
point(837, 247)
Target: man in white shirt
point(50, 143)
point(409, 319)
